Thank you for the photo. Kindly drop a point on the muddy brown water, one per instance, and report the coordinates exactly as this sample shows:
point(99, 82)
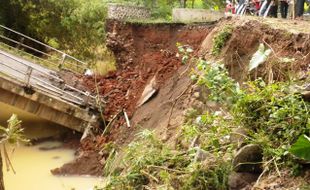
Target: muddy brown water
point(33, 163)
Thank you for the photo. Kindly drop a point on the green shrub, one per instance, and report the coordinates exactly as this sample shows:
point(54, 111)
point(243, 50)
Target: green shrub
point(220, 39)
point(274, 115)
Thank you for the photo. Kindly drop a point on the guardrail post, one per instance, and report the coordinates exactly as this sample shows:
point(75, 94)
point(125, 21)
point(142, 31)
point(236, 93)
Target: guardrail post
point(20, 42)
point(28, 76)
point(86, 100)
point(62, 61)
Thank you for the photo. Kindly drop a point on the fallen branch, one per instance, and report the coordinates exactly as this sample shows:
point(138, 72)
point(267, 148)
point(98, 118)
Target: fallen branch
point(275, 54)
point(150, 175)
point(262, 174)
point(110, 123)
point(98, 99)
point(168, 169)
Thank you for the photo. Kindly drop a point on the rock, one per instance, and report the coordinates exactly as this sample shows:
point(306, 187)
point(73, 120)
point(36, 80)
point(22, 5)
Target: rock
point(248, 159)
point(202, 155)
point(196, 88)
point(237, 181)
point(307, 87)
point(212, 104)
point(196, 95)
point(306, 95)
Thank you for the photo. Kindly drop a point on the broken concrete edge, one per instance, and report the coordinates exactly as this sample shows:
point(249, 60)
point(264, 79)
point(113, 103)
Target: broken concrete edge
point(148, 92)
point(46, 99)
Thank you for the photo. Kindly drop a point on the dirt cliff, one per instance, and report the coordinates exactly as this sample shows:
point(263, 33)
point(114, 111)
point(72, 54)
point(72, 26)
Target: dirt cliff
point(142, 51)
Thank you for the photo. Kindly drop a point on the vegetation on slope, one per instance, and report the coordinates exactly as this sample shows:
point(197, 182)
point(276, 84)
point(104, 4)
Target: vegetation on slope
point(273, 115)
point(220, 39)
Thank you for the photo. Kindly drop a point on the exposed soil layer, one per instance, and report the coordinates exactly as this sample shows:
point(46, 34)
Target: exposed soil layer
point(142, 52)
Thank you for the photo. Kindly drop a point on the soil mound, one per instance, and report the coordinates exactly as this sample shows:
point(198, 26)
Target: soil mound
point(245, 39)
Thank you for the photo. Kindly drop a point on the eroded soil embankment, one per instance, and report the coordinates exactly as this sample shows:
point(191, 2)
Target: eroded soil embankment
point(142, 52)
point(147, 50)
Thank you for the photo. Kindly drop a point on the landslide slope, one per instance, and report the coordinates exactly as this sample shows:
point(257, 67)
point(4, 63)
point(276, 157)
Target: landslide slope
point(145, 51)
point(148, 51)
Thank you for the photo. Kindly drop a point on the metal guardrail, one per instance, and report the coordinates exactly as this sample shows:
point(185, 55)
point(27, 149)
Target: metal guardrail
point(52, 57)
point(30, 76)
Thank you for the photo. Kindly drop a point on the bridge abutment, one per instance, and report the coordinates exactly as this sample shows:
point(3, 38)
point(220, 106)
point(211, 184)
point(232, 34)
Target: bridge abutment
point(45, 106)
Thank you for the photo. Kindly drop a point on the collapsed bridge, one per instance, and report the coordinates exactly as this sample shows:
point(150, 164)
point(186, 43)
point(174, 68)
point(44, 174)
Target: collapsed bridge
point(37, 88)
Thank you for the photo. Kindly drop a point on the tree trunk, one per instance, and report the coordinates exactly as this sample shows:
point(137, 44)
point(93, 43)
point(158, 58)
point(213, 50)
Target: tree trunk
point(1, 174)
point(183, 3)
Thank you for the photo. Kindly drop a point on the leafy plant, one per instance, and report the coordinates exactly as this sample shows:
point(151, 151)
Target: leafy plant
point(185, 51)
point(259, 57)
point(274, 116)
point(149, 164)
point(13, 133)
point(301, 148)
point(214, 76)
point(220, 39)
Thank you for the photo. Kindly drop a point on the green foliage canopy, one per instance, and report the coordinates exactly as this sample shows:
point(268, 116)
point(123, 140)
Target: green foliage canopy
point(77, 26)
point(73, 25)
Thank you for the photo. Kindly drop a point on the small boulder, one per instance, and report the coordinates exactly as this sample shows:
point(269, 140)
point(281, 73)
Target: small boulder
point(202, 155)
point(237, 181)
point(306, 95)
point(248, 159)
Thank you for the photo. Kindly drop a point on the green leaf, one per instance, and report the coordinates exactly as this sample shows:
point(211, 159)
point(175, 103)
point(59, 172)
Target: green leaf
point(301, 148)
point(184, 59)
point(259, 57)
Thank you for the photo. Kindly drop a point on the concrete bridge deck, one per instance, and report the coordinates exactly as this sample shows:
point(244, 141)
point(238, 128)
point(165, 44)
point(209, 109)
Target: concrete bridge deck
point(38, 90)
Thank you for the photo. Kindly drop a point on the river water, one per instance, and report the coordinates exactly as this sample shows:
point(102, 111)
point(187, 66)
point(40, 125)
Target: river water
point(33, 165)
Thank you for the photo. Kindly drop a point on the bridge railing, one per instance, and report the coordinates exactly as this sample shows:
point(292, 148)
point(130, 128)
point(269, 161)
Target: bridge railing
point(49, 83)
point(38, 52)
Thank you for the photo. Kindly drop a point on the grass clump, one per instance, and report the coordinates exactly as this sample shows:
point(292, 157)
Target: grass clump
point(276, 118)
point(220, 39)
point(148, 163)
point(273, 114)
